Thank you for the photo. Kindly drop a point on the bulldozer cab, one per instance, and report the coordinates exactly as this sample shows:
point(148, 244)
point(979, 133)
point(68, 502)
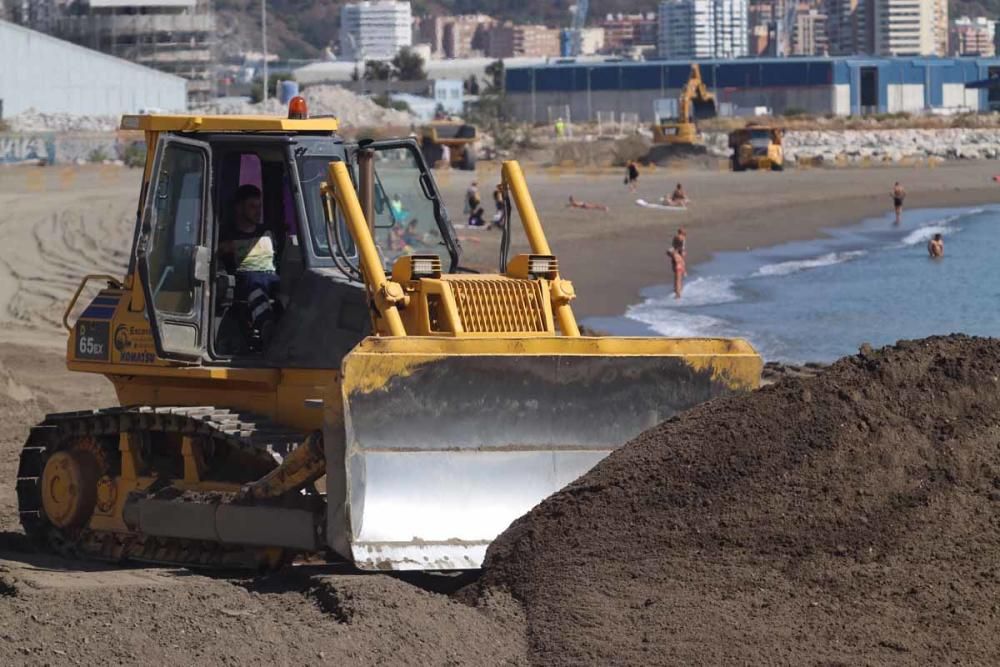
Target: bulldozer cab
point(198, 296)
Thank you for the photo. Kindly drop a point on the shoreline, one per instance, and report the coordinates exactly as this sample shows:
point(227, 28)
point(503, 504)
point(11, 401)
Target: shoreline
point(606, 297)
point(611, 257)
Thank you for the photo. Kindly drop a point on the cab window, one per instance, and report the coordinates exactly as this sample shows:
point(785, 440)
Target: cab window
point(177, 229)
point(405, 221)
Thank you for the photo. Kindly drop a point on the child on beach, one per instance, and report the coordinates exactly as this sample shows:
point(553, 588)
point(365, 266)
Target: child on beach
point(680, 270)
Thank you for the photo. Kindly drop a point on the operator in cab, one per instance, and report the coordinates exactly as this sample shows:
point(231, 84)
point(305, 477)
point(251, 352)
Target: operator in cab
point(247, 249)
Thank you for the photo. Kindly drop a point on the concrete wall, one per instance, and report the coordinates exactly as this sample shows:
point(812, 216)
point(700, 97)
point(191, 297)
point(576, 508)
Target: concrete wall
point(54, 76)
point(61, 148)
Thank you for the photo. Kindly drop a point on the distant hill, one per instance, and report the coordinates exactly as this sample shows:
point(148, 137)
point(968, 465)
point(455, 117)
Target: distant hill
point(303, 28)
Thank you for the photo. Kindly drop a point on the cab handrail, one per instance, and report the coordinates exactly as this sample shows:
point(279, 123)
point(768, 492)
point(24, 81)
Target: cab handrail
point(112, 283)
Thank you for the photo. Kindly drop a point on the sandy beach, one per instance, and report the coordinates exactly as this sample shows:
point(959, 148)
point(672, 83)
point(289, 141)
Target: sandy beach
point(611, 256)
point(62, 223)
point(608, 256)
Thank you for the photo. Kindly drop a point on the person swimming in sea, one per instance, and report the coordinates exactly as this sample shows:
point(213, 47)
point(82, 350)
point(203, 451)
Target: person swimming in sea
point(935, 247)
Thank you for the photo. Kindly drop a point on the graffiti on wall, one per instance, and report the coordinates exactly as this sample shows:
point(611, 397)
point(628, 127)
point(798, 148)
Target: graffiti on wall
point(15, 148)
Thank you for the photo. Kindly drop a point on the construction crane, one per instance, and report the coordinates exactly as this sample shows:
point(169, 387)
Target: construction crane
point(571, 39)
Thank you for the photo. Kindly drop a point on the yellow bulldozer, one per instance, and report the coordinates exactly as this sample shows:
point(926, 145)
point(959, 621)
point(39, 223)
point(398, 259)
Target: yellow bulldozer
point(458, 138)
point(757, 146)
point(678, 134)
point(362, 399)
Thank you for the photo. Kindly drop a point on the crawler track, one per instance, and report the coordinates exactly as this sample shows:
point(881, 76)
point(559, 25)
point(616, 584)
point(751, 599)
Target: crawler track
point(239, 447)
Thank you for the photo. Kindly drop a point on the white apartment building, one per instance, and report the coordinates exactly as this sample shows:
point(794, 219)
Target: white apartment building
point(703, 29)
point(907, 27)
point(375, 30)
point(973, 36)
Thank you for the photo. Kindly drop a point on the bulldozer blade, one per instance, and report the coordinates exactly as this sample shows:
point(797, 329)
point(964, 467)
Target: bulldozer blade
point(449, 440)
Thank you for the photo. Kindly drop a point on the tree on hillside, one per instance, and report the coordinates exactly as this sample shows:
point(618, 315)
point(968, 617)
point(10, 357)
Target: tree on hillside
point(495, 75)
point(408, 65)
point(376, 70)
point(492, 111)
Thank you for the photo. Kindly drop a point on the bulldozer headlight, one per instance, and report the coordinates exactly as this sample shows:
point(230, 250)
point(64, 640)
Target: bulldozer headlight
point(533, 266)
point(415, 267)
point(542, 265)
point(424, 267)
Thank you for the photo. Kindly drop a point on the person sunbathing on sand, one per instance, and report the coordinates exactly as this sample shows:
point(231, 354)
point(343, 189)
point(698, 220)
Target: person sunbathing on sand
point(573, 203)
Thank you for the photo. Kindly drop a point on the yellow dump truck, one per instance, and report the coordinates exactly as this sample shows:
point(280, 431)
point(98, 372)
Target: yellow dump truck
point(458, 138)
point(397, 413)
point(757, 147)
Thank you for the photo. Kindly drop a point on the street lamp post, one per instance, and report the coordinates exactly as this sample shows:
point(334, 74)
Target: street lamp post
point(263, 29)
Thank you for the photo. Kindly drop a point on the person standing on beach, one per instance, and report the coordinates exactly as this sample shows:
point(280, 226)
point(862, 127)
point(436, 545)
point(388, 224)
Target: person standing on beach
point(498, 203)
point(679, 242)
point(680, 270)
point(898, 194)
point(935, 247)
point(631, 175)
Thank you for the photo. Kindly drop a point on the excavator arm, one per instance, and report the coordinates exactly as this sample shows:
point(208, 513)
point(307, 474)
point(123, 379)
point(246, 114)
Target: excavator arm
point(696, 101)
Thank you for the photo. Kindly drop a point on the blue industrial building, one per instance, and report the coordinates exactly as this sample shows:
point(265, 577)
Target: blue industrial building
point(842, 86)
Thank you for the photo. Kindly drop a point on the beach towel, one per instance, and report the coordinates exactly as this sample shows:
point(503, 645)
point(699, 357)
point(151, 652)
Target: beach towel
point(661, 207)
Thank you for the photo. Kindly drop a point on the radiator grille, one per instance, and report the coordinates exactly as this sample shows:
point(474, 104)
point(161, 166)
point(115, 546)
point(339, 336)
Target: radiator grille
point(500, 306)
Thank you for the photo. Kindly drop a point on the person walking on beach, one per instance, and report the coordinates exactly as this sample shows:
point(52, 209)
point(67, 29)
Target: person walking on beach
point(898, 194)
point(935, 247)
point(631, 175)
point(680, 270)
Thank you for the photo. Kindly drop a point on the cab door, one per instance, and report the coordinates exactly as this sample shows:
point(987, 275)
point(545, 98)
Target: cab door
point(172, 251)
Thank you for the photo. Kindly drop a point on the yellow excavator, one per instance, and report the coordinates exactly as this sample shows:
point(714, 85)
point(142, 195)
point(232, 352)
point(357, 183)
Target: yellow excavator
point(679, 135)
point(398, 413)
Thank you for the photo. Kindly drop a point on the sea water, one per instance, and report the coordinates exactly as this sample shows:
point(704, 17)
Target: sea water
point(819, 300)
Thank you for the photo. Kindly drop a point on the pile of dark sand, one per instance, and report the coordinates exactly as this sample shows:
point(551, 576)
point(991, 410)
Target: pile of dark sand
point(848, 518)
